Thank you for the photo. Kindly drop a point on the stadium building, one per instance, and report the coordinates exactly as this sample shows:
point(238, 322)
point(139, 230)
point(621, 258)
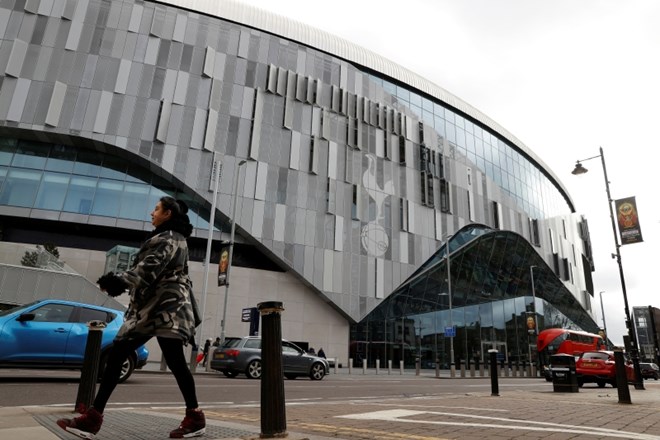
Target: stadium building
point(384, 212)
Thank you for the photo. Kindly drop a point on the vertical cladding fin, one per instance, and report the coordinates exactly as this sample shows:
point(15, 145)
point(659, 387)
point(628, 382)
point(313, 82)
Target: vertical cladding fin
point(163, 121)
point(16, 58)
point(255, 135)
point(56, 103)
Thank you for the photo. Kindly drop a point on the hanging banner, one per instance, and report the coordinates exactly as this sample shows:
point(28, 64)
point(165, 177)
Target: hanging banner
point(626, 214)
point(223, 265)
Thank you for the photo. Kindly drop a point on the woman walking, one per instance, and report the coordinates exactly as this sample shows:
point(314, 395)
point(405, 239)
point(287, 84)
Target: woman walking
point(161, 306)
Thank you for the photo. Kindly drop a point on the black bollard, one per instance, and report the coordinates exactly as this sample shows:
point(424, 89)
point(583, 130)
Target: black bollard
point(621, 377)
point(273, 412)
point(494, 386)
point(90, 368)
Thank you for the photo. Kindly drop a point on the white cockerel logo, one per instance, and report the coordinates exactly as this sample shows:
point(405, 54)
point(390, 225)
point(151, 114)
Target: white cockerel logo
point(374, 237)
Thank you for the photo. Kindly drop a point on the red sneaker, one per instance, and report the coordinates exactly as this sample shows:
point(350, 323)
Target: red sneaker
point(193, 425)
point(85, 426)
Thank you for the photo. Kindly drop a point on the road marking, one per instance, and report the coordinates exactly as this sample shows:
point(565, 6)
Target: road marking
point(396, 415)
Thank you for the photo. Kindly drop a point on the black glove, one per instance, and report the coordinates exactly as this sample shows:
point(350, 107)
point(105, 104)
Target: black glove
point(112, 284)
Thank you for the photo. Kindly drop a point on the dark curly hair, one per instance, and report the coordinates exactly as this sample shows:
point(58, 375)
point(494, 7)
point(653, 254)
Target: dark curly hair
point(179, 222)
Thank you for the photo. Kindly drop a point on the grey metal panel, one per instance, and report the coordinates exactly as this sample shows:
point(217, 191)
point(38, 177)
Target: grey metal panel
point(181, 88)
point(5, 14)
point(73, 39)
point(198, 129)
point(180, 27)
point(163, 121)
point(174, 126)
point(103, 112)
point(256, 133)
point(209, 62)
point(136, 17)
point(123, 75)
point(211, 126)
point(18, 100)
point(16, 58)
point(56, 103)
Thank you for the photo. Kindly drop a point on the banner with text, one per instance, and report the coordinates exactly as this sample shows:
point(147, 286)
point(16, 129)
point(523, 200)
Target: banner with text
point(628, 219)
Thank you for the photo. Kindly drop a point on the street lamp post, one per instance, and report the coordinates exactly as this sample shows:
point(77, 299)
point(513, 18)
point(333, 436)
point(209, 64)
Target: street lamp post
point(452, 364)
point(579, 169)
point(231, 248)
point(536, 323)
point(602, 311)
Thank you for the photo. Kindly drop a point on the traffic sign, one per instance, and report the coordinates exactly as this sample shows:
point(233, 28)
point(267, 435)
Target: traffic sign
point(450, 332)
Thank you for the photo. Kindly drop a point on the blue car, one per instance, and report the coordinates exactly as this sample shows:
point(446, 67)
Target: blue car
point(52, 334)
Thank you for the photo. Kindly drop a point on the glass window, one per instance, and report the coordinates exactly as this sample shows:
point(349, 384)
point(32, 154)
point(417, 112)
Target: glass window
point(61, 159)
point(134, 202)
point(107, 198)
point(52, 191)
point(88, 164)
point(114, 168)
point(80, 195)
point(20, 188)
point(52, 313)
point(415, 99)
point(30, 156)
point(87, 314)
point(6, 153)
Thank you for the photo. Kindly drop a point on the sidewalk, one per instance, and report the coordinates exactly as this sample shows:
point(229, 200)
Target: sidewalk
point(520, 411)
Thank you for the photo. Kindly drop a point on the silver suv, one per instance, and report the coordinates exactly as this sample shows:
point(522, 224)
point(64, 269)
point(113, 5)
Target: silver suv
point(244, 356)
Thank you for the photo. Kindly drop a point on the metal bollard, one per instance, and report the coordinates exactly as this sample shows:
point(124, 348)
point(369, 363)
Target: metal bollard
point(377, 365)
point(621, 378)
point(417, 366)
point(389, 366)
point(462, 368)
point(90, 368)
point(401, 367)
point(273, 411)
point(350, 365)
point(472, 372)
point(336, 362)
point(364, 366)
point(437, 368)
point(494, 386)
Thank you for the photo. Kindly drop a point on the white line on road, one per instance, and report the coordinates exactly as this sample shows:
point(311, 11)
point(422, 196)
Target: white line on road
point(395, 415)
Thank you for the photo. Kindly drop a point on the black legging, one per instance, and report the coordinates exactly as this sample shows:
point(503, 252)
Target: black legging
point(172, 349)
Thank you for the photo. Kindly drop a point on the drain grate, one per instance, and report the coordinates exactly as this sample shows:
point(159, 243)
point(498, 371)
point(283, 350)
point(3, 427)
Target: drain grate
point(127, 425)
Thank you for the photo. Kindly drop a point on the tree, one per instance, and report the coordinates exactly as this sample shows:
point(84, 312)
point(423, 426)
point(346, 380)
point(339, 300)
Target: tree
point(31, 258)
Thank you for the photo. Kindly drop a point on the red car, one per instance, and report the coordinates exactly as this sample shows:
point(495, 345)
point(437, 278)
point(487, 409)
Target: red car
point(598, 367)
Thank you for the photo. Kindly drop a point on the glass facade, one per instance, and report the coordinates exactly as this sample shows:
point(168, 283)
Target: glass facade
point(62, 178)
point(492, 305)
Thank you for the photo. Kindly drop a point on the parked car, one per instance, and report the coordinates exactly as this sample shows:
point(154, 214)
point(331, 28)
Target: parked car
point(52, 334)
point(649, 370)
point(244, 356)
point(599, 367)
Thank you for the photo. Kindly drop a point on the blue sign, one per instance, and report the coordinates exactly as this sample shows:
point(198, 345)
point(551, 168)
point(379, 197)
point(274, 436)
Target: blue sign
point(450, 332)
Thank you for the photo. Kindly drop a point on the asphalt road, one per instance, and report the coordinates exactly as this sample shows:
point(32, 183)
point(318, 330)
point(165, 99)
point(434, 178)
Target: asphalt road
point(149, 389)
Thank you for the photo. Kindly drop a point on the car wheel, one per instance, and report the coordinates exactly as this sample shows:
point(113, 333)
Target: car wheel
point(290, 376)
point(317, 372)
point(601, 384)
point(126, 368)
point(253, 370)
point(230, 373)
point(655, 376)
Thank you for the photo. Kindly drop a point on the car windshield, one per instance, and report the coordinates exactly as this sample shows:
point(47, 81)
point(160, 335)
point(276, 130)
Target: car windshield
point(16, 308)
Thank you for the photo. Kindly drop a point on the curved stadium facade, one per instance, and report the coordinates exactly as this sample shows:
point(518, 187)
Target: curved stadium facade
point(362, 180)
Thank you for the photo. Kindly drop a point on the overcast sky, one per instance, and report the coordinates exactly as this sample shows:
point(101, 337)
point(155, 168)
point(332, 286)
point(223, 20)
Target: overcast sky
point(564, 76)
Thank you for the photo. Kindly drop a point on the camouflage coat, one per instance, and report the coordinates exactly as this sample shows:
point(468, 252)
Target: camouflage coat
point(159, 290)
